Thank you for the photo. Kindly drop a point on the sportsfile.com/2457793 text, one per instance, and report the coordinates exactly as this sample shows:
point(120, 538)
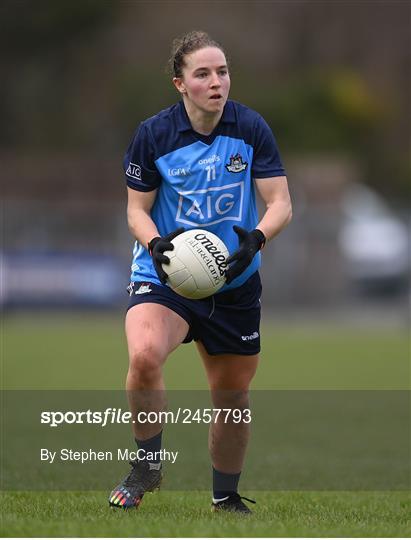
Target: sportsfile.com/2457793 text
point(118, 416)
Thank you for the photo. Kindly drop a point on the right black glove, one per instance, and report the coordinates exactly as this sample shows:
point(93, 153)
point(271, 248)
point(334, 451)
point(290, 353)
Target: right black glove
point(157, 246)
point(249, 244)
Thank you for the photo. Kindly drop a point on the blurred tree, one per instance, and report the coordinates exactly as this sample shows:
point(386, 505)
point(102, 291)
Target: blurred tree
point(30, 28)
point(41, 40)
point(335, 112)
point(323, 112)
point(328, 76)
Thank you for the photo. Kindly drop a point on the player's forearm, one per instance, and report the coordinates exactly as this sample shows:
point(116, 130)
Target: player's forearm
point(141, 226)
point(276, 217)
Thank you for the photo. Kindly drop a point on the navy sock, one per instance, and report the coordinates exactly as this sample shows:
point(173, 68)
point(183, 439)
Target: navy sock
point(224, 484)
point(151, 448)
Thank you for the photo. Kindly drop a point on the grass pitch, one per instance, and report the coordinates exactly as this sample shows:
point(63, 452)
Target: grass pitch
point(183, 514)
point(87, 351)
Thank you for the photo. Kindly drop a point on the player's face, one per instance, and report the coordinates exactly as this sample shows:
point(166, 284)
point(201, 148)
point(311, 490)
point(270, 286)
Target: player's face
point(206, 82)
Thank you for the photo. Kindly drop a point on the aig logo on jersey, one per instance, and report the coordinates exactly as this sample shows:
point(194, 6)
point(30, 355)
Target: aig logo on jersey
point(212, 205)
point(134, 171)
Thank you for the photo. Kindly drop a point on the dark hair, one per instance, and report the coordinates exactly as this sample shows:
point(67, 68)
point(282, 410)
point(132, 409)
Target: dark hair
point(187, 44)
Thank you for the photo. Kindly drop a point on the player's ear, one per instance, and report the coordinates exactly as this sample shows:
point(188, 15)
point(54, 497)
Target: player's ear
point(179, 84)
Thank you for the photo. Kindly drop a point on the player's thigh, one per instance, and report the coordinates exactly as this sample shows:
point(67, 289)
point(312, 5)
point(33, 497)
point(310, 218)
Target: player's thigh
point(154, 329)
point(228, 371)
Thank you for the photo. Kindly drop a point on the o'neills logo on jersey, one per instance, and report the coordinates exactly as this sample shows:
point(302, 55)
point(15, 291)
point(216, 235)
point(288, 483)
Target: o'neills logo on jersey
point(213, 255)
point(236, 164)
point(206, 161)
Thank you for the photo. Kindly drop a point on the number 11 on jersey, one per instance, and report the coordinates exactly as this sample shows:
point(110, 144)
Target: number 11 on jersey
point(210, 172)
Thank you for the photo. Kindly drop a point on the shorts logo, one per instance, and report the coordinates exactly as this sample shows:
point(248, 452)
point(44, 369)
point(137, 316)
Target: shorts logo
point(134, 171)
point(254, 335)
point(143, 289)
point(236, 164)
point(212, 205)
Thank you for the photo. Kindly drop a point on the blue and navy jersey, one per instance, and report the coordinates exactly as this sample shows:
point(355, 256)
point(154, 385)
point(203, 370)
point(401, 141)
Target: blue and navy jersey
point(202, 181)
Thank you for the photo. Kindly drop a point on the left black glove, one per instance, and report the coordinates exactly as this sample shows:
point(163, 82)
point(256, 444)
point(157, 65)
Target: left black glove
point(250, 243)
point(157, 246)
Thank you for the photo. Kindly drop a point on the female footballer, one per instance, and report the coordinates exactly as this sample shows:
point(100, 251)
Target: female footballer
point(196, 165)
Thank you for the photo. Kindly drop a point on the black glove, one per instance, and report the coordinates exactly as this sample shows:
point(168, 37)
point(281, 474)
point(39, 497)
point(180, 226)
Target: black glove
point(157, 246)
point(250, 243)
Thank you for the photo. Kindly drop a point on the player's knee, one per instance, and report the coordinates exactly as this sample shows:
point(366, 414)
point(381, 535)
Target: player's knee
point(145, 362)
point(230, 399)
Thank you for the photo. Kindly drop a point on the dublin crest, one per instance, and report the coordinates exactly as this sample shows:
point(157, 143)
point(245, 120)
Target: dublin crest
point(236, 164)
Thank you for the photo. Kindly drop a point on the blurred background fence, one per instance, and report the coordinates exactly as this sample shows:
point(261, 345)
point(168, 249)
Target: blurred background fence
point(331, 78)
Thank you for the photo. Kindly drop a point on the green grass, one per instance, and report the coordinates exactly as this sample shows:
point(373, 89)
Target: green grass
point(180, 514)
point(88, 351)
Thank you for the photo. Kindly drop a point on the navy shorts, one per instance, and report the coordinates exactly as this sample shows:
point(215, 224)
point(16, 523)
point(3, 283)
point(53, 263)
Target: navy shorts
point(225, 323)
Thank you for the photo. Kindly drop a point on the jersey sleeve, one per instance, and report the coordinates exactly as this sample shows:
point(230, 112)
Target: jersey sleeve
point(139, 167)
point(266, 158)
